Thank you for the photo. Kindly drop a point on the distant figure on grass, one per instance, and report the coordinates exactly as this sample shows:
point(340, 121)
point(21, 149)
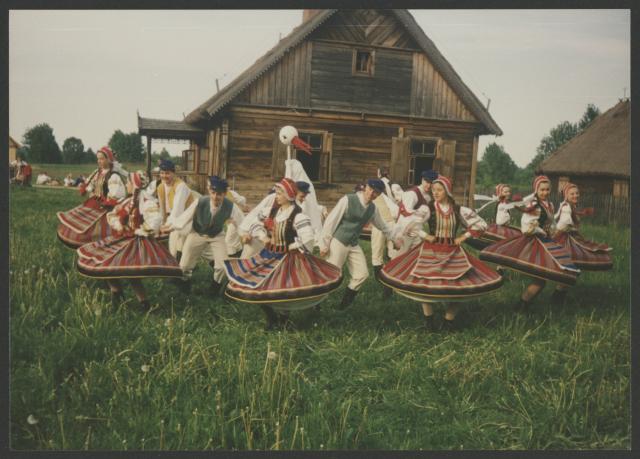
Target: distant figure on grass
point(340, 234)
point(284, 276)
point(88, 222)
point(586, 255)
point(68, 180)
point(207, 236)
point(535, 253)
point(22, 171)
point(435, 268)
point(131, 251)
point(174, 196)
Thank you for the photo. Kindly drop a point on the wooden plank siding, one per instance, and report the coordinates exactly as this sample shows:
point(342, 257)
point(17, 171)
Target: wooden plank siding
point(358, 147)
point(333, 86)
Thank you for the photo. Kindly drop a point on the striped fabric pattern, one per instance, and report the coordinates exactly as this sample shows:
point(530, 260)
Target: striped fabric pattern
point(534, 255)
point(82, 217)
point(441, 261)
point(494, 233)
point(288, 276)
point(127, 257)
point(477, 279)
point(73, 239)
point(585, 254)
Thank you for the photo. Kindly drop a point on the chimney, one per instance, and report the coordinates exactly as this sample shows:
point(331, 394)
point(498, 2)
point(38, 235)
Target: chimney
point(308, 14)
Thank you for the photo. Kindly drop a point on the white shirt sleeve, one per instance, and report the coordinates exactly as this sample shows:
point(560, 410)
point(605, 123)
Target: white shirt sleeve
point(331, 223)
point(502, 215)
point(179, 200)
point(409, 199)
point(565, 222)
point(529, 223)
point(304, 230)
point(472, 221)
point(150, 211)
point(238, 198)
point(252, 217)
point(378, 222)
point(117, 190)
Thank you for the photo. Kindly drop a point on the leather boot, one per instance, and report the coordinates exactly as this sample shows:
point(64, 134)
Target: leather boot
point(145, 305)
point(559, 296)
point(386, 291)
point(116, 298)
point(449, 326)
point(348, 297)
point(272, 318)
point(178, 256)
point(522, 307)
point(215, 288)
point(429, 323)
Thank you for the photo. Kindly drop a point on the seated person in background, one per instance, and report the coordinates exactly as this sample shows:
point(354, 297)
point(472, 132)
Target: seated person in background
point(43, 178)
point(79, 181)
point(68, 180)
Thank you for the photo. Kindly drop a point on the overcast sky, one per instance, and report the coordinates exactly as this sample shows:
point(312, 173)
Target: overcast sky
point(86, 73)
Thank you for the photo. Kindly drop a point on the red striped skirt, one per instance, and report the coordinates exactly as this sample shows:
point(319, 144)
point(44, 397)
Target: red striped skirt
point(127, 257)
point(494, 233)
point(535, 256)
point(439, 272)
point(585, 254)
point(83, 224)
point(290, 279)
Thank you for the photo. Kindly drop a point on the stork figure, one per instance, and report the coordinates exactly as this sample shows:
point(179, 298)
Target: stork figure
point(289, 136)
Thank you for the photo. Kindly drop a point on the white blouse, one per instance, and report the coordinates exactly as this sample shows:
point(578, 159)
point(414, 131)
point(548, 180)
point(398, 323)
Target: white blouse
point(529, 222)
point(301, 224)
point(564, 222)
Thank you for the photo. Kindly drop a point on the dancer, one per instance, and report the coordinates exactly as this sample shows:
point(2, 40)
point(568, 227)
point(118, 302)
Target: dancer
point(341, 231)
point(88, 222)
point(232, 236)
point(418, 195)
point(437, 268)
point(131, 252)
point(534, 253)
point(207, 236)
point(586, 255)
point(284, 276)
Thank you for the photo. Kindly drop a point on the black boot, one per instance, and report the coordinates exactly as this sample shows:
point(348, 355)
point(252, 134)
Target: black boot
point(215, 288)
point(559, 296)
point(429, 323)
point(237, 254)
point(500, 270)
point(348, 297)
point(272, 318)
point(386, 291)
point(449, 326)
point(116, 298)
point(145, 305)
point(283, 321)
point(178, 256)
point(184, 285)
point(522, 307)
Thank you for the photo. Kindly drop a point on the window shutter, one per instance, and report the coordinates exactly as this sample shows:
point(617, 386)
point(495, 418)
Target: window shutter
point(278, 157)
point(399, 170)
point(445, 162)
point(325, 160)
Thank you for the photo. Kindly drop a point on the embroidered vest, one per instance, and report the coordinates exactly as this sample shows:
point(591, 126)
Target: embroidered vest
point(283, 233)
point(421, 200)
point(444, 227)
point(203, 224)
point(161, 190)
point(353, 220)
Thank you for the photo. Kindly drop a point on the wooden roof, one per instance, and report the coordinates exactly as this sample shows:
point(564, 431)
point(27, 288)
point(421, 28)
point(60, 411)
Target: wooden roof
point(218, 101)
point(603, 148)
point(168, 129)
point(13, 143)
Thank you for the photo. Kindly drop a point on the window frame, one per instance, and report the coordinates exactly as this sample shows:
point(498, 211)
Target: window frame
point(354, 63)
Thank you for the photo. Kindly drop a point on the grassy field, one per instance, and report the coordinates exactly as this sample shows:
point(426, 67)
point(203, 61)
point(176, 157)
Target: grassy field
point(60, 171)
point(198, 373)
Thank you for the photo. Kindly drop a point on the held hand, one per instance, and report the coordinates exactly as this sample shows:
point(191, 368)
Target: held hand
point(429, 238)
point(459, 240)
point(397, 244)
point(265, 240)
point(83, 190)
point(324, 252)
point(246, 239)
point(165, 229)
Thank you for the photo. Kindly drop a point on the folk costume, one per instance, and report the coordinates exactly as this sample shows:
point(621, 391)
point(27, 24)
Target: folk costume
point(174, 199)
point(585, 254)
point(207, 236)
point(535, 253)
point(341, 231)
point(501, 228)
point(284, 275)
point(389, 211)
point(232, 236)
point(131, 251)
point(88, 222)
point(435, 268)
point(416, 196)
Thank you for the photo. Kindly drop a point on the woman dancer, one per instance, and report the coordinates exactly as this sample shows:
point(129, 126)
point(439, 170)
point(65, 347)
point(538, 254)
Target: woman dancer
point(437, 268)
point(534, 253)
point(585, 254)
point(88, 222)
point(284, 276)
point(131, 252)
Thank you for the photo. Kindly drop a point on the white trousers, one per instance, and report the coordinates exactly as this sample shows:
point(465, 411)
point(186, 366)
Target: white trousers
point(378, 245)
point(209, 248)
point(232, 239)
point(355, 259)
point(176, 242)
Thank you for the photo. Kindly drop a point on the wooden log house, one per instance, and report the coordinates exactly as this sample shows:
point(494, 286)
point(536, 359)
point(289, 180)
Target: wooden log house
point(365, 88)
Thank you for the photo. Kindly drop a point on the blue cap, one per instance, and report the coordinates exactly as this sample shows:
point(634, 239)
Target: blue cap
point(303, 186)
point(218, 184)
point(429, 175)
point(167, 165)
point(376, 184)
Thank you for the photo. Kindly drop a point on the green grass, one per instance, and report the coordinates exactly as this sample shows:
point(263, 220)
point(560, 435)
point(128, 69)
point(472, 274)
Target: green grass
point(60, 171)
point(368, 378)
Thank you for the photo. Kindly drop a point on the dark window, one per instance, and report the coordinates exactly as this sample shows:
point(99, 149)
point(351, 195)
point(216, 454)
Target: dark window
point(363, 62)
point(423, 147)
point(189, 160)
point(311, 163)
point(204, 161)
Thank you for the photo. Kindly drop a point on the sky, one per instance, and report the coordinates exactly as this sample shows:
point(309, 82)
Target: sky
point(87, 73)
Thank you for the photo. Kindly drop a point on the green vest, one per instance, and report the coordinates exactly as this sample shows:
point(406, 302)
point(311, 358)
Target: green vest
point(353, 220)
point(203, 224)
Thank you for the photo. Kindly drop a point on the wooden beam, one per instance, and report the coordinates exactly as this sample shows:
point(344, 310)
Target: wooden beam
point(149, 157)
point(474, 167)
point(224, 149)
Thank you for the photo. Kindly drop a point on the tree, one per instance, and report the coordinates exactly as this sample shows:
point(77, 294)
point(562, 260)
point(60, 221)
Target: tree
point(591, 113)
point(127, 147)
point(73, 151)
point(40, 144)
point(496, 166)
point(89, 156)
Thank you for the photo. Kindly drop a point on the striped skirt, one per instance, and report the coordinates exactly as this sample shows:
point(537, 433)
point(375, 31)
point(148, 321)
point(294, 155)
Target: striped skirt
point(439, 272)
point(83, 224)
point(494, 233)
point(534, 255)
point(585, 254)
point(284, 280)
point(127, 257)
